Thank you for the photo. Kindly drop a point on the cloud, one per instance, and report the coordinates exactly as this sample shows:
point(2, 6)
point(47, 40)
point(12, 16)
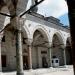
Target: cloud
point(54, 8)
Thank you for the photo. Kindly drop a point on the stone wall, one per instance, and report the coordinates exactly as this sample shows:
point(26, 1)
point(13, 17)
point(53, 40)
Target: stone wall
point(32, 24)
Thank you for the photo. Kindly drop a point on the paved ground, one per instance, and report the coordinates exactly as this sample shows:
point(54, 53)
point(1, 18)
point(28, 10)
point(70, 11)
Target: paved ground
point(47, 71)
point(60, 73)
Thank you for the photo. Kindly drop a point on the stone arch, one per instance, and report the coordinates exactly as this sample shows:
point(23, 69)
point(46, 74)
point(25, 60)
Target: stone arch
point(9, 34)
point(7, 8)
point(43, 30)
point(69, 40)
point(57, 47)
point(40, 47)
point(59, 35)
point(12, 11)
point(68, 51)
point(12, 8)
point(25, 29)
point(2, 17)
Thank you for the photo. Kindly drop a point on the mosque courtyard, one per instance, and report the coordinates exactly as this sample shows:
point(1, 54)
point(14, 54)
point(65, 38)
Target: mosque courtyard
point(46, 71)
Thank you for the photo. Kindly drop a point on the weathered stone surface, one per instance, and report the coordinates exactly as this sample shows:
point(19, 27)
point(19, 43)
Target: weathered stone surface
point(36, 29)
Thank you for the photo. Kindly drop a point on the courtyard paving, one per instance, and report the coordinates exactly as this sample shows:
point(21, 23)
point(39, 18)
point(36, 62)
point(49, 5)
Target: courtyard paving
point(46, 71)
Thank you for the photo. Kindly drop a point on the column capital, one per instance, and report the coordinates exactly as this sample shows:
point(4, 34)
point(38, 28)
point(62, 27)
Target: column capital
point(1, 35)
point(17, 22)
point(30, 41)
point(63, 47)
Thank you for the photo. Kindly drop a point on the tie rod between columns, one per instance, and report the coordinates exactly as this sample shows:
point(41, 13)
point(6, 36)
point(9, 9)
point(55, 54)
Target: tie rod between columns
point(12, 16)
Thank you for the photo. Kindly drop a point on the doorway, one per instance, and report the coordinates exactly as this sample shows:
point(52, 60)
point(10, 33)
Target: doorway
point(25, 62)
point(68, 56)
point(44, 62)
point(3, 57)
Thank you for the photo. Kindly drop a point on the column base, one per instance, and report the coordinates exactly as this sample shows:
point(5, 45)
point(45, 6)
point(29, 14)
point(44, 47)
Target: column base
point(65, 66)
point(30, 69)
point(51, 67)
point(21, 73)
point(1, 73)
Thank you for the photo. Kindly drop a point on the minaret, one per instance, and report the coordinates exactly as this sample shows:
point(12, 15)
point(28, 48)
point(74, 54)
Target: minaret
point(33, 3)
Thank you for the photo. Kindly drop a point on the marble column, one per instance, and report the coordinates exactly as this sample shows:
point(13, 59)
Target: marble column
point(30, 54)
point(64, 57)
point(50, 57)
point(19, 56)
point(37, 57)
point(0, 51)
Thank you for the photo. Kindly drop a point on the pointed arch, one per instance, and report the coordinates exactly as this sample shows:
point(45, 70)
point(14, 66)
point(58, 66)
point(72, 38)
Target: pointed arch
point(68, 51)
point(60, 37)
point(42, 30)
point(26, 31)
point(2, 17)
point(57, 47)
point(40, 44)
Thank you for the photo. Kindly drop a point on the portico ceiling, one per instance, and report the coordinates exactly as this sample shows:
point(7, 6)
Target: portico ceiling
point(13, 8)
point(14, 5)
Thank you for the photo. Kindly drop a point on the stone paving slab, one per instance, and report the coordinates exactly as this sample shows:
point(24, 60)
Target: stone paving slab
point(45, 71)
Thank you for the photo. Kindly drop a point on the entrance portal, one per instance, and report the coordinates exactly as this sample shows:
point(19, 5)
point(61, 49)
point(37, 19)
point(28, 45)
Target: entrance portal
point(44, 62)
point(25, 62)
point(68, 56)
point(3, 57)
point(68, 52)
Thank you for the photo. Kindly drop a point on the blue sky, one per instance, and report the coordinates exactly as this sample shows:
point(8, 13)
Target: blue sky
point(64, 19)
point(55, 8)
